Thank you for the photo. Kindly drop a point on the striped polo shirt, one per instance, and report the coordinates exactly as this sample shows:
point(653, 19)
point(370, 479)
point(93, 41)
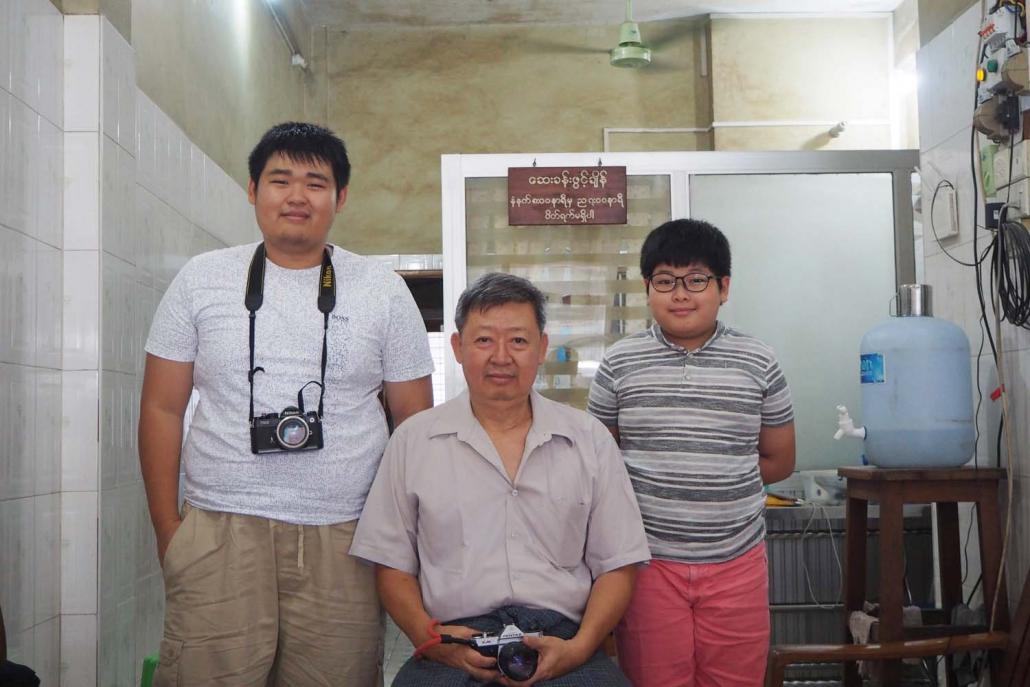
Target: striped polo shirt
point(688, 424)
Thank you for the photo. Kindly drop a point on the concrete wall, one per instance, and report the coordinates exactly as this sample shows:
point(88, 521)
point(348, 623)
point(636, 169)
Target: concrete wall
point(402, 98)
point(769, 69)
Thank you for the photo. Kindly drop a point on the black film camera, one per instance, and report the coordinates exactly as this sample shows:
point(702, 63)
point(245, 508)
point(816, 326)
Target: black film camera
point(290, 430)
point(515, 660)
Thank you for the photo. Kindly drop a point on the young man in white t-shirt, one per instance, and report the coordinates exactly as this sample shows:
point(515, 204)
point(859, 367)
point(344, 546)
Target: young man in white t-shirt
point(259, 586)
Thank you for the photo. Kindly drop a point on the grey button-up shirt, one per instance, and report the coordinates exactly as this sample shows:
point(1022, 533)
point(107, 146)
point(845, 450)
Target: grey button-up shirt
point(442, 508)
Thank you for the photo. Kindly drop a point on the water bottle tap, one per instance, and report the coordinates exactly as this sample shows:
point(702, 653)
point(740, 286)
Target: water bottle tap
point(846, 426)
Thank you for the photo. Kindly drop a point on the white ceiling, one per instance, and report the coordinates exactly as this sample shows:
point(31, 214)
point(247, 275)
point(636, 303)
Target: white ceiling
point(359, 14)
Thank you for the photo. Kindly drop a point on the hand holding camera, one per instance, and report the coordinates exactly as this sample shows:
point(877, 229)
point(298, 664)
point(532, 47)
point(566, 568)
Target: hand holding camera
point(516, 660)
point(556, 657)
point(459, 654)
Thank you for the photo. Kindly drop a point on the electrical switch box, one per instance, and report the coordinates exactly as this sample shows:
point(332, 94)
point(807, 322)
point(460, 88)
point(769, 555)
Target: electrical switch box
point(1017, 157)
point(945, 213)
point(1017, 197)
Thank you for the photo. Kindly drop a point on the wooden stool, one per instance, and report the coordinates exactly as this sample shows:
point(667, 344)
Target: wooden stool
point(892, 489)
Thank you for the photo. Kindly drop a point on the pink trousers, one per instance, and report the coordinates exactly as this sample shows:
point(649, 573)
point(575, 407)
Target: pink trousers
point(703, 624)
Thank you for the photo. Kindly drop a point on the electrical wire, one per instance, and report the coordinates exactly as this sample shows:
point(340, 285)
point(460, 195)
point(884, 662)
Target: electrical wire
point(944, 183)
point(821, 509)
point(1010, 271)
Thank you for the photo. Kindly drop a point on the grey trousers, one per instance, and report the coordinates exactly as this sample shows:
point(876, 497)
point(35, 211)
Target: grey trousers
point(599, 671)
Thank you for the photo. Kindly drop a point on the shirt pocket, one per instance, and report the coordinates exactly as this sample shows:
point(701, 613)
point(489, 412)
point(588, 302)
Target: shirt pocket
point(441, 533)
point(568, 496)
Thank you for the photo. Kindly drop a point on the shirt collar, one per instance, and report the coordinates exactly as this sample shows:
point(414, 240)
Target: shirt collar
point(455, 417)
point(659, 335)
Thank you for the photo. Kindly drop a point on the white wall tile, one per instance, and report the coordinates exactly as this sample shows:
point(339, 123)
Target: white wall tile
point(111, 202)
point(118, 315)
point(46, 215)
point(145, 235)
point(7, 156)
point(126, 96)
point(79, 441)
point(46, 450)
point(116, 551)
point(118, 419)
point(81, 317)
point(6, 44)
point(107, 663)
point(146, 142)
point(82, 191)
point(36, 61)
point(117, 200)
point(179, 152)
point(126, 639)
point(149, 613)
point(18, 284)
point(78, 651)
point(46, 578)
point(945, 96)
point(21, 146)
point(21, 646)
point(81, 73)
point(49, 270)
point(47, 651)
point(197, 186)
point(79, 529)
point(117, 87)
point(17, 542)
point(17, 432)
point(1016, 435)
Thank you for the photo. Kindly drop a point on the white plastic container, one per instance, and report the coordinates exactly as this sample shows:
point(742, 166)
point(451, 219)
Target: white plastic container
point(917, 395)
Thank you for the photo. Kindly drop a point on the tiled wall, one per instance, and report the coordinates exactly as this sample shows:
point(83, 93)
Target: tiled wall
point(945, 114)
point(141, 200)
point(102, 200)
point(31, 240)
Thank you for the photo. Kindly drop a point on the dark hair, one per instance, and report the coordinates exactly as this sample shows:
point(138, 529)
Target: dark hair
point(681, 242)
point(301, 142)
point(497, 288)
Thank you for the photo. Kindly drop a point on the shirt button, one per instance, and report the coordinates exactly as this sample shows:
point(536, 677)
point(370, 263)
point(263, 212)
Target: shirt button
point(514, 492)
point(514, 536)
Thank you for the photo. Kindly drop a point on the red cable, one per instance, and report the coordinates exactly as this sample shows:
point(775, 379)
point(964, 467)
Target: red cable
point(434, 639)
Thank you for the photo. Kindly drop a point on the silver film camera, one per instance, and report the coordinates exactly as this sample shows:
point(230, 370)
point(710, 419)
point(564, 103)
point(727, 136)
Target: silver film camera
point(515, 660)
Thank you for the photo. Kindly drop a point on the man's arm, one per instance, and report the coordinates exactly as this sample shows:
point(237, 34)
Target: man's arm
point(167, 386)
point(404, 399)
point(776, 448)
point(606, 605)
point(402, 599)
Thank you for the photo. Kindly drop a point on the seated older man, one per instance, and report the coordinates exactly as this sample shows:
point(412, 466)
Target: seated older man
point(502, 507)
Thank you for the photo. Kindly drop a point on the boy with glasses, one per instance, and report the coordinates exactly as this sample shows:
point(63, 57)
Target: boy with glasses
point(703, 417)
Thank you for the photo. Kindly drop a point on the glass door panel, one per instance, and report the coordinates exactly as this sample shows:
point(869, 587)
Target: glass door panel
point(813, 270)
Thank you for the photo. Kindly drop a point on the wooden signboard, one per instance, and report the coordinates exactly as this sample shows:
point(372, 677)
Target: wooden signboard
point(566, 195)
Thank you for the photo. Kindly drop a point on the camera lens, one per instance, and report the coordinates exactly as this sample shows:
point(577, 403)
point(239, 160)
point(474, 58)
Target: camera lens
point(517, 661)
point(292, 432)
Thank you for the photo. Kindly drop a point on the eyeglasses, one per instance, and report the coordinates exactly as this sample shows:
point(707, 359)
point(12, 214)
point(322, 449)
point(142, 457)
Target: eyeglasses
point(695, 282)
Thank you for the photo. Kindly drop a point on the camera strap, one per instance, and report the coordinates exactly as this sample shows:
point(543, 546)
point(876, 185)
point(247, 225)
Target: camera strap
point(255, 297)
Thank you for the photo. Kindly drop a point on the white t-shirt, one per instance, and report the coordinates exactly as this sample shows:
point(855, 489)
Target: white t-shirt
point(375, 334)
